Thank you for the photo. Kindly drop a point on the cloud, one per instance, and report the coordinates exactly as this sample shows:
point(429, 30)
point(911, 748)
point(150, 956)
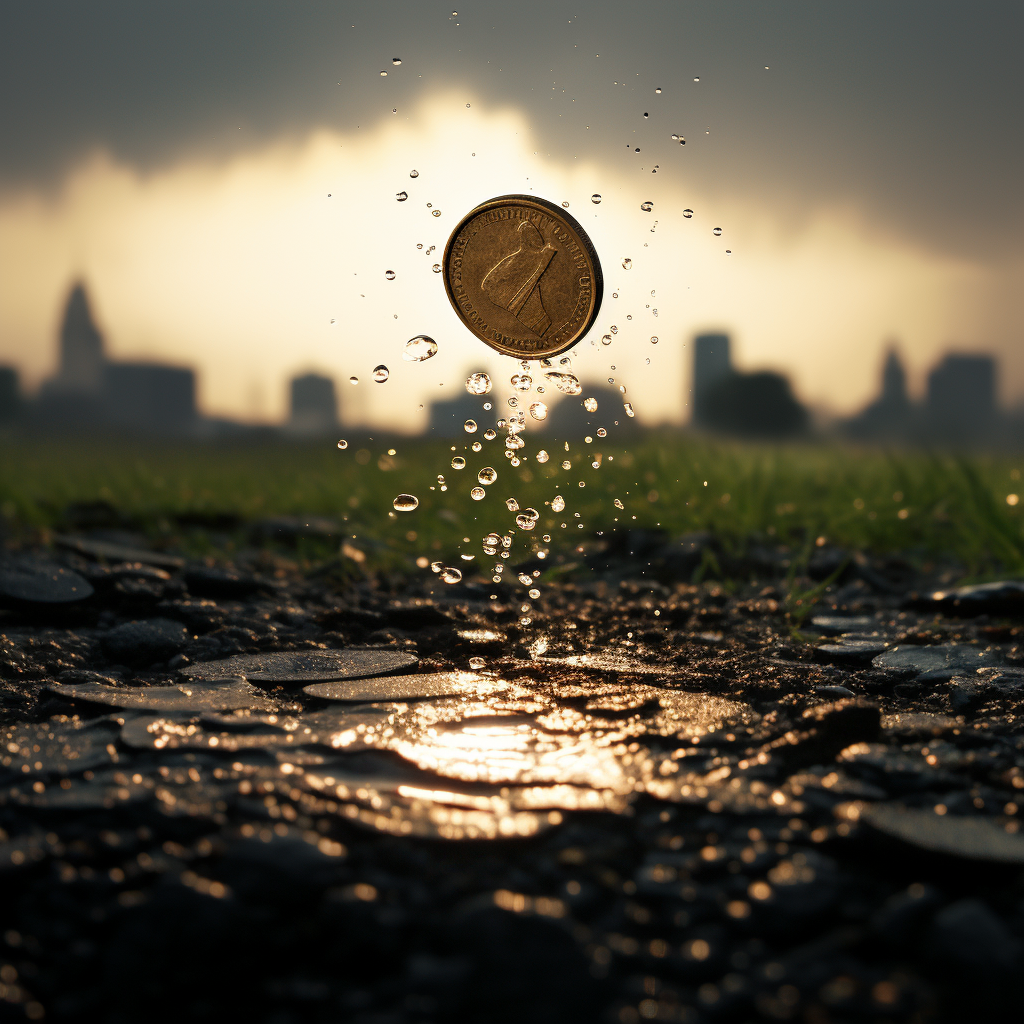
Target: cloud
point(266, 262)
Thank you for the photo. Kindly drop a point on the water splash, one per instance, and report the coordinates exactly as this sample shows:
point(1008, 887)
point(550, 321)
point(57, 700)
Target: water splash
point(567, 383)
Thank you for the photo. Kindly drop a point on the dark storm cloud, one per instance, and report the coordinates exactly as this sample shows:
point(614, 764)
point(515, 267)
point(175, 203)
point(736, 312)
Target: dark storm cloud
point(910, 112)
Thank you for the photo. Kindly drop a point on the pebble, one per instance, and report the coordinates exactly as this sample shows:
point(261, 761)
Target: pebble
point(938, 658)
point(835, 625)
point(32, 581)
point(145, 642)
point(107, 551)
point(190, 698)
point(851, 652)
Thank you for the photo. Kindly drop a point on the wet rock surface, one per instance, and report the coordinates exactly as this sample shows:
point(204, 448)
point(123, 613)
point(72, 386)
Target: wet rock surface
point(248, 792)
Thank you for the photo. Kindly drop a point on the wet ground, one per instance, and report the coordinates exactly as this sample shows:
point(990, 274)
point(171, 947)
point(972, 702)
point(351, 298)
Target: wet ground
point(249, 793)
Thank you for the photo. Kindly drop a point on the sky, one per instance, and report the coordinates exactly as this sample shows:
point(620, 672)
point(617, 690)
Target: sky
point(224, 179)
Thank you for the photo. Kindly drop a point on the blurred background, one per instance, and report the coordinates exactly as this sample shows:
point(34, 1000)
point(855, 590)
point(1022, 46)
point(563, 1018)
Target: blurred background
point(217, 220)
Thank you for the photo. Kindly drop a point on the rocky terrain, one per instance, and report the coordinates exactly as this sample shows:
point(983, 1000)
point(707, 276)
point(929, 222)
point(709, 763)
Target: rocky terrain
point(244, 791)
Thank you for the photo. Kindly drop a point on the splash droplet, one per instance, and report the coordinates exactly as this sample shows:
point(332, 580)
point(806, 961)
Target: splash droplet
point(557, 503)
point(606, 339)
point(512, 505)
point(414, 174)
point(687, 214)
point(627, 264)
point(567, 383)
point(381, 373)
point(458, 462)
point(539, 411)
point(490, 433)
point(534, 593)
point(566, 464)
point(353, 380)
point(406, 503)
point(477, 494)
point(436, 268)
point(397, 60)
point(542, 456)
point(419, 348)
point(522, 381)
point(477, 446)
point(450, 574)
point(389, 274)
point(402, 196)
point(658, 91)
point(590, 404)
point(487, 475)
point(601, 432)
point(565, 204)
point(647, 207)
point(470, 426)
point(477, 662)
point(478, 384)
point(717, 232)
point(628, 406)
point(513, 442)
point(343, 445)
point(525, 578)
point(596, 198)
point(435, 213)
point(524, 522)
point(618, 504)
point(654, 339)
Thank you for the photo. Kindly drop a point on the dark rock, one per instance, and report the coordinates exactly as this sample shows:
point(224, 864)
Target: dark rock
point(26, 581)
point(306, 666)
point(206, 581)
point(851, 652)
point(968, 936)
point(145, 642)
point(836, 625)
point(973, 838)
point(1004, 598)
point(938, 658)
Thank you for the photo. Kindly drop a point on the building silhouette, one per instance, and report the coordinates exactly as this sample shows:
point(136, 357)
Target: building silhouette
point(448, 418)
point(890, 416)
point(10, 394)
point(759, 404)
point(91, 391)
point(570, 419)
point(961, 397)
point(313, 406)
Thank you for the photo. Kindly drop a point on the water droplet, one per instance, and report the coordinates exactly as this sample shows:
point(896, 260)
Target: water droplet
point(565, 204)
point(419, 348)
point(435, 213)
point(601, 432)
point(567, 464)
point(542, 456)
point(567, 383)
point(534, 593)
point(477, 662)
point(478, 384)
point(522, 381)
point(343, 445)
point(525, 578)
point(487, 406)
point(353, 380)
point(596, 198)
point(613, 329)
point(590, 404)
point(716, 232)
point(557, 503)
point(696, 79)
point(389, 274)
point(402, 196)
point(477, 446)
point(654, 339)
point(657, 91)
point(647, 207)
point(414, 174)
point(628, 406)
point(458, 462)
point(477, 494)
point(687, 214)
point(470, 426)
point(383, 74)
point(436, 268)
point(513, 506)
point(618, 504)
point(490, 433)
point(539, 411)
point(487, 475)
point(514, 442)
point(606, 339)
point(450, 575)
point(436, 566)
point(406, 503)
point(381, 373)
point(397, 60)
point(627, 264)
point(525, 522)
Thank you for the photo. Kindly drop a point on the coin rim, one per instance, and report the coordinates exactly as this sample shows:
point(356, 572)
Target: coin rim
point(547, 206)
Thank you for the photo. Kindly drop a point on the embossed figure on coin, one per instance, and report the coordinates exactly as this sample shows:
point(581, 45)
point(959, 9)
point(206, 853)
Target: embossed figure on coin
point(514, 281)
point(523, 276)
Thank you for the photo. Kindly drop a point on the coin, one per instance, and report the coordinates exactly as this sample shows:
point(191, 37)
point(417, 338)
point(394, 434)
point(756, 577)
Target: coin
point(523, 276)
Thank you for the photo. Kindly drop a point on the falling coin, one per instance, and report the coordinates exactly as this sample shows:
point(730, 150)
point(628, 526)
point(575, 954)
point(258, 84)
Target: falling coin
point(523, 276)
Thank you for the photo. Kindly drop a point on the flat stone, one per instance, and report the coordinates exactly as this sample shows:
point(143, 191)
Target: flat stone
point(938, 658)
point(602, 661)
point(919, 723)
point(1004, 597)
point(107, 551)
point(206, 581)
point(146, 641)
point(408, 687)
point(971, 837)
point(188, 698)
point(852, 652)
point(306, 666)
point(835, 625)
point(33, 581)
point(56, 747)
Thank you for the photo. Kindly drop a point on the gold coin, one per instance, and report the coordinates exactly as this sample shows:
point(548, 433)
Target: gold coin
point(523, 276)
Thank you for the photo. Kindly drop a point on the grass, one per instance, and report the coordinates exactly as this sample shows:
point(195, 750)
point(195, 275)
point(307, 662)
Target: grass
point(921, 505)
